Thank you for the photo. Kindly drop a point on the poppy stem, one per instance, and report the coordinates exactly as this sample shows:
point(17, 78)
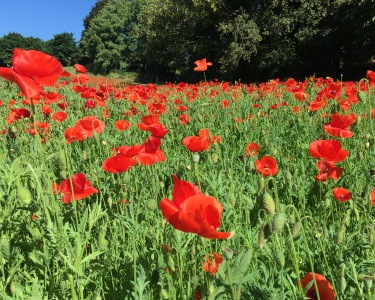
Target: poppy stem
point(197, 175)
point(204, 74)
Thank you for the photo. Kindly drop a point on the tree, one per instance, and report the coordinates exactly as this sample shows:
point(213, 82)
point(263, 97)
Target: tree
point(63, 47)
point(15, 40)
point(108, 42)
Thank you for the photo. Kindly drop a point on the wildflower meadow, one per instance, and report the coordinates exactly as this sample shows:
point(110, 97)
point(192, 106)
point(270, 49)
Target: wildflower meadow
point(213, 190)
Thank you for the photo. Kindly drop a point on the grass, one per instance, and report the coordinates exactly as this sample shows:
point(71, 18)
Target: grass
point(115, 244)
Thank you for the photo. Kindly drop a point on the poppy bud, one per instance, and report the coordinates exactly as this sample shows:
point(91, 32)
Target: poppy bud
point(359, 119)
point(327, 202)
point(214, 158)
point(278, 222)
point(368, 136)
point(152, 204)
point(360, 155)
point(188, 168)
point(110, 202)
point(195, 157)
point(161, 184)
point(340, 236)
point(62, 158)
point(84, 155)
point(368, 284)
point(5, 247)
point(24, 195)
point(296, 229)
point(261, 184)
point(342, 278)
point(362, 96)
point(232, 199)
point(367, 145)
point(288, 177)
point(164, 294)
point(200, 118)
point(268, 203)
point(356, 213)
point(211, 289)
point(280, 258)
point(263, 235)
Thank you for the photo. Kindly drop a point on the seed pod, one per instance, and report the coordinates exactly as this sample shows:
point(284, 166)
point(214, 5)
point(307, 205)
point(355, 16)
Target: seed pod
point(278, 222)
point(195, 157)
point(228, 253)
point(261, 184)
point(368, 284)
point(280, 258)
point(268, 203)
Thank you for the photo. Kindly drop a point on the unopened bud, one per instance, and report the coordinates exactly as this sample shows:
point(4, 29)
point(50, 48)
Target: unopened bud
point(268, 203)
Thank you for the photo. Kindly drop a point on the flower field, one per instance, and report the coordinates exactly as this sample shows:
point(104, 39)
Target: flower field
point(184, 191)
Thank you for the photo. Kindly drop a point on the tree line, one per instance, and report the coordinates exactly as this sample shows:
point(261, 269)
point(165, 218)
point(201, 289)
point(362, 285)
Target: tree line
point(245, 40)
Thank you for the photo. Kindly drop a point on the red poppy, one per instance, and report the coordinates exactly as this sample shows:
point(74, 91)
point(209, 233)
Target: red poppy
point(211, 265)
point(76, 188)
point(89, 124)
point(372, 196)
point(151, 123)
point(122, 125)
point(328, 169)
point(266, 166)
point(342, 194)
point(202, 65)
point(73, 134)
point(325, 289)
point(192, 211)
point(252, 149)
point(31, 69)
point(80, 69)
point(198, 143)
point(118, 163)
point(59, 116)
point(329, 150)
point(184, 119)
point(333, 90)
point(370, 75)
point(339, 125)
point(225, 103)
point(150, 153)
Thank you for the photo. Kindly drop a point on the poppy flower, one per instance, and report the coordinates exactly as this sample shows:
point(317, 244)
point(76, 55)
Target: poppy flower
point(191, 211)
point(76, 188)
point(122, 125)
point(252, 149)
point(73, 134)
point(197, 143)
point(333, 90)
point(80, 69)
point(59, 116)
point(339, 125)
point(329, 150)
point(370, 75)
point(202, 65)
point(89, 124)
point(211, 265)
point(266, 166)
point(372, 196)
point(342, 194)
point(151, 123)
point(325, 289)
point(328, 169)
point(150, 153)
point(118, 164)
point(184, 119)
point(31, 69)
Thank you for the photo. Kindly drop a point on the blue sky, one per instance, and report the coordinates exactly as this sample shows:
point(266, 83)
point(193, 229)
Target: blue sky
point(44, 18)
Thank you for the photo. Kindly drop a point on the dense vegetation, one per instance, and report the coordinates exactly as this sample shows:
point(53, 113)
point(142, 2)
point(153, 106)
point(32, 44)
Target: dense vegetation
point(247, 40)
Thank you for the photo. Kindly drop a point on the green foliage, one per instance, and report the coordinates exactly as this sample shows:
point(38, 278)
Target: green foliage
point(63, 47)
point(108, 42)
point(15, 40)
